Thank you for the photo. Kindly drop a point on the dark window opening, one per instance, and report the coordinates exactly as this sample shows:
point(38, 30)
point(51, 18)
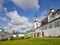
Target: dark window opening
point(56, 24)
point(50, 26)
point(45, 27)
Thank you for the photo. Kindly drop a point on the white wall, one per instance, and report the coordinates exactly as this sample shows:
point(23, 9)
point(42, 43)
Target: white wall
point(5, 35)
point(54, 31)
point(0, 35)
point(20, 35)
point(50, 18)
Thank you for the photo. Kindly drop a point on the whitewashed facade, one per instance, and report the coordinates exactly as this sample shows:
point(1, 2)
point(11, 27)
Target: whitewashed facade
point(52, 28)
point(5, 35)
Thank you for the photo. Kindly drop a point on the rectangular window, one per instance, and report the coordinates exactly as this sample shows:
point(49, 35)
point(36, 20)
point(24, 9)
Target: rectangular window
point(45, 27)
point(50, 26)
point(57, 24)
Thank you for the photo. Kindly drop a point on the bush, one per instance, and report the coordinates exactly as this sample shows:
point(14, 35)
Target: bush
point(16, 38)
point(11, 38)
point(27, 37)
point(59, 36)
point(4, 39)
point(21, 37)
point(50, 36)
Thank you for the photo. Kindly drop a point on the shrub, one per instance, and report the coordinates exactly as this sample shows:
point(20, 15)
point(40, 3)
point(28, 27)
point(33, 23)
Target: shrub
point(21, 37)
point(59, 36)
point(4, 39)
point(28, 37)
point(50, 36)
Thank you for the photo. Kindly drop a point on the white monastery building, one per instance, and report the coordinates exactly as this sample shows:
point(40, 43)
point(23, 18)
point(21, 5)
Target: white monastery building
point(49, 26)
point(5, 35)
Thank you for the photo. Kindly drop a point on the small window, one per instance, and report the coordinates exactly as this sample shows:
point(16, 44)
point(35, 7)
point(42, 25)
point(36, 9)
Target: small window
point(45, 27)
point(57, 24)
point(2, 35)
point(50, 26)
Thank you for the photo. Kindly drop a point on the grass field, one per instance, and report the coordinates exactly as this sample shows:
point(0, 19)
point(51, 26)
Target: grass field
point(35, 41)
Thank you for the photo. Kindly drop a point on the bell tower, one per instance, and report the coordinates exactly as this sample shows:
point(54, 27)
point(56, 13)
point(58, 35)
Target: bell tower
point(51, 13)
point(52, 10)
point(36, 22)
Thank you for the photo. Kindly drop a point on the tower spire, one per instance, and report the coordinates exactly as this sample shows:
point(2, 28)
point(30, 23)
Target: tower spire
point(35, 15)
point(35, 20)
point(52, 10)
point(52, 7)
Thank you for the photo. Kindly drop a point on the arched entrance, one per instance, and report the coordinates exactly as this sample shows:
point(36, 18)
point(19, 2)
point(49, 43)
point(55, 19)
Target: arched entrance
point(34, 34)
point(43, 34)
point(38, 34)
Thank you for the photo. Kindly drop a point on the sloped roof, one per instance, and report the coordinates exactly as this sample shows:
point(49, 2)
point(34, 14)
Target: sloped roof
point(58, 11)
point(44, 21)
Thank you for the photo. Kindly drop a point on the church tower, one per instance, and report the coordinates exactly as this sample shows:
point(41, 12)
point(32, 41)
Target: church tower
point(36, 23)
point(51, 13)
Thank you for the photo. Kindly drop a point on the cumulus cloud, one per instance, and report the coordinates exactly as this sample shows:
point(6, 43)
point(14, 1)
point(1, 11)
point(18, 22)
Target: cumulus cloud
point(3, 18)
point(27, 4)
point(17, 22)
point(16, 18)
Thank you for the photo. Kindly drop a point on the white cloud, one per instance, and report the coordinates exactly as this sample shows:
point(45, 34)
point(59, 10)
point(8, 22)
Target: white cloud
point(3, 18)
point(17, 22)
point(27, 4)
point(16, 18)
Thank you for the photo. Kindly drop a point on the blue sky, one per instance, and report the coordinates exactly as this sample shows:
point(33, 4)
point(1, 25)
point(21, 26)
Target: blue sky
point(25, 9)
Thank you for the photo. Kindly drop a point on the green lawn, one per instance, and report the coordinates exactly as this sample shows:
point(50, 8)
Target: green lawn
point(35, 41)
